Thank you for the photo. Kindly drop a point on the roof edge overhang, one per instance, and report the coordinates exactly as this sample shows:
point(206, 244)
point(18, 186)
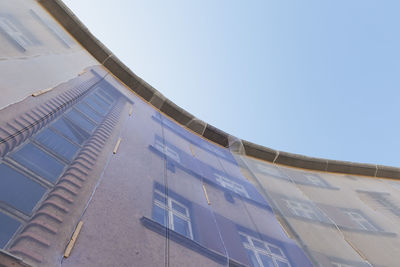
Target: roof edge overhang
point(102, 54)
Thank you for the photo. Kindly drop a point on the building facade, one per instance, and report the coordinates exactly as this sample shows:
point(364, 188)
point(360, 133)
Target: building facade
point(99, 169)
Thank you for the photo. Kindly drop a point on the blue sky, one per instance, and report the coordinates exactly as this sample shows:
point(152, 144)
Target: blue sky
point(319, 78)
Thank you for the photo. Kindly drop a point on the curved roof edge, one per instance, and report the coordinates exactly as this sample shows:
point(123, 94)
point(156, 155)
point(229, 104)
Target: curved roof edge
point(101, 53)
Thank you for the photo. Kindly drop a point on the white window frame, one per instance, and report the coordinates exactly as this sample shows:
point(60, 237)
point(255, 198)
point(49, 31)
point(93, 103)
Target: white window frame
point(360, 220)
point(302, 209)
point(166, 150)
point(54, 28)
point(171, 212)
point(257, 251)
point(231, 185)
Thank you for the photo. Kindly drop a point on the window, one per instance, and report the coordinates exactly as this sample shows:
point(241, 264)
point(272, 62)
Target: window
point(90, 113)
point(54, 28)
point(360, 220)
point(272, 171)
point(57, 144)
point(14, 33)
point(81, 120)
point(14, 188)
point(48, 153)
point(385, 202)
point(39, 161)
point(263, 254)
point(172, 214)
point(231, 185)
point(8, 227)
point(302, 209)
point(314, 180)
point(31, 169)
point(380, 201)
point(66, 128)
point(166, 150)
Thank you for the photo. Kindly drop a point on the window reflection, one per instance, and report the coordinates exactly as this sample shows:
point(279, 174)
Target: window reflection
point(81, 120)
point(18, 191)
point(304, 210)
point(360, 220)
point(67, 129)
point(8, 227)
point(172, 214)
point(57, 144)
point(32, 168)
point(263, 254)
point(39, 161)
point(231, 185)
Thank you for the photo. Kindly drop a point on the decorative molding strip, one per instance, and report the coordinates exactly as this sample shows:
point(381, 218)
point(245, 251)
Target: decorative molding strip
point(27, 124)
point(46, 225)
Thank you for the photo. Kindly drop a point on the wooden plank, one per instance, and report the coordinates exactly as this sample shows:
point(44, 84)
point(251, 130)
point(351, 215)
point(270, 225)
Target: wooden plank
point(205, 193)
point(117, 146)
point(41, 92)
point(73, 240)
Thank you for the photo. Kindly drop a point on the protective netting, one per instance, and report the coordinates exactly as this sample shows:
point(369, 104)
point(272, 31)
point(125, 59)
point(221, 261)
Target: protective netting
point(338, 219)
point(148, 191)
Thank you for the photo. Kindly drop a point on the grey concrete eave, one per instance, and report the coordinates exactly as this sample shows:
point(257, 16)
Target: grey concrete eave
point(78, 30)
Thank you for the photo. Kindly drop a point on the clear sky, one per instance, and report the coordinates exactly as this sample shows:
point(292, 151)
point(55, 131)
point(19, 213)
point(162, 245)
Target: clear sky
point(319, 78)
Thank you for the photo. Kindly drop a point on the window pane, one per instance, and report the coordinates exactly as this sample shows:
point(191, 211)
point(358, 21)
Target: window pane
point(99, 100)
point(252, 258)
point(67, 129)
point(259, 244)
point(275, 250)
point(102, 101)
point(18, 190)
point(92, 102)
point(105, 96)
point(89, 112)
point(266, 261)
point(39, 162)
point(181, 226)
point(179, 208)
point(159, 215)
point(7, 229)
point(160, 198)
point(81, 121)
point(244, 239)
point(57, 144)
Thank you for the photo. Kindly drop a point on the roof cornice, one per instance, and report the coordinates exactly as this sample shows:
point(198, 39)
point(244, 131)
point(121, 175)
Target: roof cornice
point(103, 55)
